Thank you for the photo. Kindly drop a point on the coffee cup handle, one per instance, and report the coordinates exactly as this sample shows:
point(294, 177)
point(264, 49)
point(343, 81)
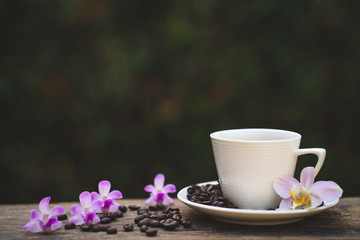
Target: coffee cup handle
point(319, 152)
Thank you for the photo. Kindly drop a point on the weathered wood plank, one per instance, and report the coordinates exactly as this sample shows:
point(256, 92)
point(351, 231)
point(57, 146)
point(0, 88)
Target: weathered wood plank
point(339, 222)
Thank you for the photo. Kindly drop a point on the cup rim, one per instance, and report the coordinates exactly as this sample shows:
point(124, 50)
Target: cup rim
point(217, 135)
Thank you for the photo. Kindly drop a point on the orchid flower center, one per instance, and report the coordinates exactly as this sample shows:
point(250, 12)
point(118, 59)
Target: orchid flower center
point(300, 195)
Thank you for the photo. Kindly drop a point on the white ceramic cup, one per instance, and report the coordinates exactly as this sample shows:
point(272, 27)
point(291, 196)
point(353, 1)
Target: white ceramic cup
point(248, 160)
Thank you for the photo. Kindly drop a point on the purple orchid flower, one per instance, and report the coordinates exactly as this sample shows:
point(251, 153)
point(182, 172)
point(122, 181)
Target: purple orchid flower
point(86, 213)
point(45, 220)
point(106, 197)
point(159, 192)
point(306, 193)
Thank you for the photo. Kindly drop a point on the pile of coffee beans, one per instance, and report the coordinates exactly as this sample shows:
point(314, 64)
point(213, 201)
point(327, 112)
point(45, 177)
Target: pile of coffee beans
point(209, 194)
point(147, 219)
point(160, 217)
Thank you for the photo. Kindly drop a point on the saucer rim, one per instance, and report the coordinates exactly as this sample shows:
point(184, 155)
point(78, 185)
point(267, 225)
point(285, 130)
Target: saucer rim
point(181, 195)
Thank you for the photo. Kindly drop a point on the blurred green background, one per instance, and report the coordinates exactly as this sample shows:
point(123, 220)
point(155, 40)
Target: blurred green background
point(123, 90)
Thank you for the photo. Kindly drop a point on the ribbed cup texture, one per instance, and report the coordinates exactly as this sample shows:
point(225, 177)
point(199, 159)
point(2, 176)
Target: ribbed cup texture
point(246, 170)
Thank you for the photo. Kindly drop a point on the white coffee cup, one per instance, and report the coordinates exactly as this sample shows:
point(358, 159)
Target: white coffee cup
point(248, 160)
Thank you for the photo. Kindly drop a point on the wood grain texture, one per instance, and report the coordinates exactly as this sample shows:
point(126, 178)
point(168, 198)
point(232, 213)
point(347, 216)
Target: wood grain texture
point(339, 222)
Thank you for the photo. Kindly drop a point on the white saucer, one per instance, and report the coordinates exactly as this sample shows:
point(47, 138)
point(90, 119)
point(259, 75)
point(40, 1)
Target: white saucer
point(251, 217)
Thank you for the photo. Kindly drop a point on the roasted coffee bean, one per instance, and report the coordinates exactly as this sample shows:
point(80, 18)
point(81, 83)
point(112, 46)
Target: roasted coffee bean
point(128, 227)
point(152, 212)
point(154, 223)
point(96, 228)
point(70, 226)
point(154, 216)
point(153, 208)
point(166, 210)
point(221, 198)
point(162, 216)
point(142, 209)
point(177, 217)
point(170, 215)
point(104, 227)
point(202, 198)
point(134, 207)
point(145, 221)
point(62, 217)
point(209, 188)
point(105, 220)
point(102, 215)
point(160, 206)
point(186, 222)
point(142, 212)
point(146, 215)
point(119, 214)
point(85, 227)
point(138, 218)
point(169, 220)
point(151, 232)
point(143, 228)
point(111, 231)
point(191, 190)
point(112, 216)
point(170, 226)
point(123, 208)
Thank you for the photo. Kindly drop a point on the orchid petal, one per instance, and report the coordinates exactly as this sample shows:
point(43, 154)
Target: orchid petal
point(96, 206)
point(114, 207)
point(56, 225)
point(282, 186)
point(95, 196)
point(104, 188)
point(44, 205)
point(327, 191)
point(85, 199)
point(159, 197)
point(46, 227)
point(35, 214)
point(151, 201)
point(169, 188)
point(167, 200)
point(159, 180)
point(96, 220)
point(286, 203)
point(33, 226)
point(76, 209)
point(108, 203)
point(315, 200)
point(58, 210)
point(149, 188)
point(307, 177)
point(115, 194)
point(89, 218)
point(77, 219)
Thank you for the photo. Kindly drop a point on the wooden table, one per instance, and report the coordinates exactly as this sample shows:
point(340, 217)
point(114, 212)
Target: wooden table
point(339, 222)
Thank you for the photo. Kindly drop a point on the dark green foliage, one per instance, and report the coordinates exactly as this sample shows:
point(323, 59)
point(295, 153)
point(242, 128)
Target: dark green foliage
point(123, 90)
